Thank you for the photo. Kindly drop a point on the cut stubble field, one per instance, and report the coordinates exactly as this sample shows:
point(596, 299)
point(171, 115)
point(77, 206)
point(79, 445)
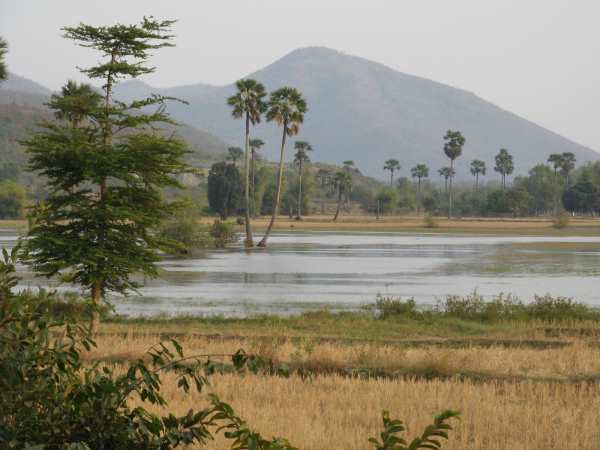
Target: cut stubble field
point(518, 386)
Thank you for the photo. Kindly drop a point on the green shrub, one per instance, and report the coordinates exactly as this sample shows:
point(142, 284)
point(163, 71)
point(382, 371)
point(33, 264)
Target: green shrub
point(386, 307)
point(187, 233)
point(475, 307)
point(561, 220)
point(430, 221)
point(223, 233)
point(559, 308)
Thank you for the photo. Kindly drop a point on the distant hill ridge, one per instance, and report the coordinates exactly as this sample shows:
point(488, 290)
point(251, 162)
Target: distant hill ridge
point(368, 112)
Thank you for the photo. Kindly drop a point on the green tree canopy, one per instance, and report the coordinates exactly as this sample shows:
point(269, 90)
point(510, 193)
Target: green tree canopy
point(224, 189)
point(3, 51)
point(286, 107)
point(105, 176)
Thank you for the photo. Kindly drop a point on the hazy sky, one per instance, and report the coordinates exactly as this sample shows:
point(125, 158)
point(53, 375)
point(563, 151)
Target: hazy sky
point(537, 58)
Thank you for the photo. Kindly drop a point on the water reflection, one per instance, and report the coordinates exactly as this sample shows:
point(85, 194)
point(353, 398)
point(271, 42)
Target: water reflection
point(302, 271)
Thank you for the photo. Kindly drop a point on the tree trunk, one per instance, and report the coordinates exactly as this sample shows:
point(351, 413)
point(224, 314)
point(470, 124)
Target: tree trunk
point(299, 217)
point(419, 195)
point(391, 178)
point(253, 185)
point(263, 241)
point(339, 204)
point(476, 181)
point(98, 300)
point(450, 189)
point(249, 240)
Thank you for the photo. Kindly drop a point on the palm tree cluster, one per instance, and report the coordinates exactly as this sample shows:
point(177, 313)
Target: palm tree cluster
point(286, 107)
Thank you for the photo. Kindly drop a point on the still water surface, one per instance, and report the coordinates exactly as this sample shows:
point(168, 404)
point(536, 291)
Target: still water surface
point(341, 271)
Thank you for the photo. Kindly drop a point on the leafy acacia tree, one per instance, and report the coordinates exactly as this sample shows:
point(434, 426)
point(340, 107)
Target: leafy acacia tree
point(343, 183)
point(453, 145)
point(224, 189)
point(477, 168)
point(286, 107)
point(3, 51)
point(301, 158)
point(419, 172)
point(106, 175)
point(504, 165)
point(392, 165)
point(248, 104)
point(255, 145)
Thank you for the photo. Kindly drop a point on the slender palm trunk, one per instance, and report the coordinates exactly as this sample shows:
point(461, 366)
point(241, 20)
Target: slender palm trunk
point(476, 181)
point(263, 241)
point(299, 190)
point(253, 184)
point(391, 178)
point(249, 239)
point(339, 204)
point(450, 189)
point(418, 195)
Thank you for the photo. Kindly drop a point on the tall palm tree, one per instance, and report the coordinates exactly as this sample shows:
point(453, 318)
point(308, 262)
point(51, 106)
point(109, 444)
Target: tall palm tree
point(234, 153)
point(453, 145)
point(556, 160)
point(504, 165)
point(247, 103)
point(255, 146)
point(300, 158)
point(75, 102)
point(3, 51)
point(343, 182)
point(567, 164)
point(286, 107)
point(477, 168)
point(419, 172)
point(446, 173)
point(392, 165)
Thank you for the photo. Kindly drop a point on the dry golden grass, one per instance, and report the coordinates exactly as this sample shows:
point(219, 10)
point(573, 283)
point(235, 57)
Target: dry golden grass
point(330, 411)
point(333, 412)
point(578, 359)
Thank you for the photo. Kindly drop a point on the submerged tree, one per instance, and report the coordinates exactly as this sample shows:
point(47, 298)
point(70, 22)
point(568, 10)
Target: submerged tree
point(255, 145)
point(3, 51)
point(301, 158)
point(105, 175)
point(453, 145)
point(248, 104)
point(392, 165)
point(477, 168)
point(286, 107)
point(504, 165)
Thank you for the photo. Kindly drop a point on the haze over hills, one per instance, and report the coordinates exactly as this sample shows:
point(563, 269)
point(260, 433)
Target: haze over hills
point(22, 105)
point(367, 112)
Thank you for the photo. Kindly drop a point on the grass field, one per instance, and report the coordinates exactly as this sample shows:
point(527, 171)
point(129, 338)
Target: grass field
point(531, 226)
point(530, 385)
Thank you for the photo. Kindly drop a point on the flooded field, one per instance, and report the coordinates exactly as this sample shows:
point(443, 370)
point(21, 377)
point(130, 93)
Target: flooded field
point(340, 271)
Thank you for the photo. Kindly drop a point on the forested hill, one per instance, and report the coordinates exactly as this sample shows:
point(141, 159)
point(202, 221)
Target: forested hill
point(367, 112)
point(22, 106)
